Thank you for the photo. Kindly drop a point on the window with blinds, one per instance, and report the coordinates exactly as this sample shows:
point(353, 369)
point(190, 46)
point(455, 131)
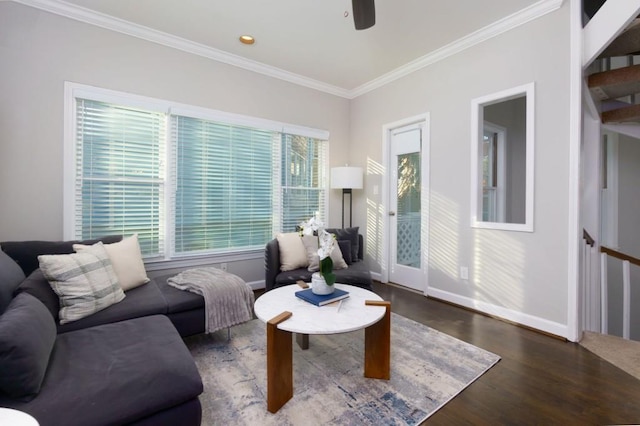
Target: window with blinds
point(189, 185)
point(119, 182)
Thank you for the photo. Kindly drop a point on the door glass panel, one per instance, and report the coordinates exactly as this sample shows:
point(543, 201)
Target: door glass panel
point(408, 231)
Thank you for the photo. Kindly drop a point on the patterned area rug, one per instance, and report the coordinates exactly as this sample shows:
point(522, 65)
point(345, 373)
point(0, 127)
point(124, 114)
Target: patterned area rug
point(428, 368)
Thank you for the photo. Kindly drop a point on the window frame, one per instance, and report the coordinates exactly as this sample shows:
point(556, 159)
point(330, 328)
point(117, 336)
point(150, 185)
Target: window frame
point(477, 133)
point(169, 259)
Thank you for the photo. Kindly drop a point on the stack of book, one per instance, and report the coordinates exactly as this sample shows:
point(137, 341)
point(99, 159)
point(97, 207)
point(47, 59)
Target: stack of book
point(322, 299)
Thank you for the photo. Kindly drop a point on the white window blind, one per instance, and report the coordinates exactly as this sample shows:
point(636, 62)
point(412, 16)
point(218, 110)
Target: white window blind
point(230, 182)
point(224, 184)
point(119, 185)
point(303, 177)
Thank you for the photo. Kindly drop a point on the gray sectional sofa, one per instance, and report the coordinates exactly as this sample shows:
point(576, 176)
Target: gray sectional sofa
point(126, 364)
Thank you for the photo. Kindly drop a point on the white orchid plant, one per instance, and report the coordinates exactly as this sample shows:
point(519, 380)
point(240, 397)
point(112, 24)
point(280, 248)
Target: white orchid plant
point(326, 244)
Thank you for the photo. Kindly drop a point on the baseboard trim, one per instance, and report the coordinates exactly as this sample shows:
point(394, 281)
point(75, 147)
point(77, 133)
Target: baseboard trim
point(530, 321)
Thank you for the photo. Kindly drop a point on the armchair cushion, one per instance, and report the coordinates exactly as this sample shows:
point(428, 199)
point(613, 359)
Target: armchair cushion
point(292, 252)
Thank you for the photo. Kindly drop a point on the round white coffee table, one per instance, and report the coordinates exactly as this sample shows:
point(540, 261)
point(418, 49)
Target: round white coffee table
point(285, 313)
point(9, 416)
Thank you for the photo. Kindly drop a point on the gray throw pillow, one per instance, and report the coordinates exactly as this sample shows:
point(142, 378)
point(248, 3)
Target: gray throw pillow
point(350, 234)
point(11, 276)
point(85, 282)
point(27, 336)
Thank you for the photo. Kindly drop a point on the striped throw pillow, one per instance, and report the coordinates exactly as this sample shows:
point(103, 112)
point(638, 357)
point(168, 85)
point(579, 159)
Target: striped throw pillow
point(85, 282)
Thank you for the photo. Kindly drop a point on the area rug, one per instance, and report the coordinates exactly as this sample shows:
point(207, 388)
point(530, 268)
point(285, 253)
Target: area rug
point(428, 369)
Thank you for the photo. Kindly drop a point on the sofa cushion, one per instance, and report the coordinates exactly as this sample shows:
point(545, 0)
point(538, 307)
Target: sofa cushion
point(10, 278)
point(27, 335)
point(38, 286)
point(140, 301)
point(311, 247)
point(126, 259)
point(177, 300)
point(350, 234)
point(292, 252)
point(357, 274)
point(26, 253)
point(104, 375)
point(85, 282)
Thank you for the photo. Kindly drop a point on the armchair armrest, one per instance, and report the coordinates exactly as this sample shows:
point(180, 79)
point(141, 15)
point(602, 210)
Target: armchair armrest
point(271, 264)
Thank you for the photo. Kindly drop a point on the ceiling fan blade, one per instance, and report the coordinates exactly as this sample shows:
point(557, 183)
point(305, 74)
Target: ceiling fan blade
point(364, 14)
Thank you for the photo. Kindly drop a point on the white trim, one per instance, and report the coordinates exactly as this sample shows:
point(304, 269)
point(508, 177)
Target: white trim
point(518, 317)
point(477, 130)
point(69, 163)
point(631, 130)
point(574, 235)
point(503, 25)
point(610, 20)
point(91, 17)
point(609, 196)
point(424, 121)
point(501, 155)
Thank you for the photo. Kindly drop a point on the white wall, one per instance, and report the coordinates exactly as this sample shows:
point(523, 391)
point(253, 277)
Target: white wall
point(40, 51)
point(515, 274)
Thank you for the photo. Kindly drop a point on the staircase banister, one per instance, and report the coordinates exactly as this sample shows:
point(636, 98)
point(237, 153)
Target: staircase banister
point(619, 255)
point(588, 238)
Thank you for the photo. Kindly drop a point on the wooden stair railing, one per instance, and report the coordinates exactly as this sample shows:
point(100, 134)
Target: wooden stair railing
point(620, 255)
point(627, 260)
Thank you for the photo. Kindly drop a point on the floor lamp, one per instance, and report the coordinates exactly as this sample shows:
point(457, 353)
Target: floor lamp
point(346, 178)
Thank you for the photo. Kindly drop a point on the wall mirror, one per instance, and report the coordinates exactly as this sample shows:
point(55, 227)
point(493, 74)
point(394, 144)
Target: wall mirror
point(502, 141)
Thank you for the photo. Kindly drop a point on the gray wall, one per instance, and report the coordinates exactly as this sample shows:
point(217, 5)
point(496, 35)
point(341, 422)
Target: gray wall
point(522, 272)
point(518, 271)
point(39, 51)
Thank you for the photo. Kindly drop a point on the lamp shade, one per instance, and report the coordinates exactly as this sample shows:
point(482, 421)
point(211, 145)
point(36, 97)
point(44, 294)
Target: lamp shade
point(346, 177)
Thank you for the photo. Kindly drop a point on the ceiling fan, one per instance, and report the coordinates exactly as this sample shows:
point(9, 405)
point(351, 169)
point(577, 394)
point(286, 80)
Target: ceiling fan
point(364, 14)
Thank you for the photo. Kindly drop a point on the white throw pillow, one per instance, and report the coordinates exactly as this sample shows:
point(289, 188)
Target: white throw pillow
point(292, 252)
point(126, 259)
point(311, 247)
point(85, 282)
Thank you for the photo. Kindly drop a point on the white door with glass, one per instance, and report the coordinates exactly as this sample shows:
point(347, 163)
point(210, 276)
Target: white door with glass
point(405, 207)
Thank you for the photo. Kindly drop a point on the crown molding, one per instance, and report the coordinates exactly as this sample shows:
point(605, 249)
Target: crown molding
point(98, 19)
point(505, 24)
point(91, 17)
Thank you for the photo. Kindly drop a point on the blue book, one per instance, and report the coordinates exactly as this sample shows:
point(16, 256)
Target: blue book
point(320, 300)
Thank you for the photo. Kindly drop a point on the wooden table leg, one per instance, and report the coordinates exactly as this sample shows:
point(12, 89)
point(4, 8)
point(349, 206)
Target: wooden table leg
point(377, 345)
point(279, 364)
point(303, 340)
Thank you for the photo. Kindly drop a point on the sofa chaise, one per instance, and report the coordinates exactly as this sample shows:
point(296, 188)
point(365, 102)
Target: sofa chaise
point(125, 364)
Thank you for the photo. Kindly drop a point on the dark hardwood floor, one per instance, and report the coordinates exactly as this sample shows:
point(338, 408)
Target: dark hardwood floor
point(540, 380)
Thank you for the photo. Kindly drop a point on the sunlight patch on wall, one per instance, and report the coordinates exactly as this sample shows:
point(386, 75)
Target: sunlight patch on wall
point(498, 269)
point(443, 235)
point(375, 211)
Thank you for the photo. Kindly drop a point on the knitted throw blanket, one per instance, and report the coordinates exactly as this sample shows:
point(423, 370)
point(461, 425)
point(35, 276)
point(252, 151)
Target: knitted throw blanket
point(228, 300)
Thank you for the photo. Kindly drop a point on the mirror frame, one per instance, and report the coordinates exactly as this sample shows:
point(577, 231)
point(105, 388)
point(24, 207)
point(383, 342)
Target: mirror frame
point(477, 131)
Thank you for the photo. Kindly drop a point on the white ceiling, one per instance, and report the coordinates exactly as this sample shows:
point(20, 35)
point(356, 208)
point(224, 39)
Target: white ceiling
point(312, 39)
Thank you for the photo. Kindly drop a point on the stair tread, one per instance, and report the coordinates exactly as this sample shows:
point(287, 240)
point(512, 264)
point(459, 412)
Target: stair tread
point(622, 115)
point(615, 83)
point(627, 43)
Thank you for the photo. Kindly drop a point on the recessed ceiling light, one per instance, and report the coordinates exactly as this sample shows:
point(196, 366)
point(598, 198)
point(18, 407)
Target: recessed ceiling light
point(247, 39)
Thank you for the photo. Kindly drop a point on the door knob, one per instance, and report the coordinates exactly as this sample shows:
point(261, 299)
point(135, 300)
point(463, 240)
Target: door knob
point(392, 213)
